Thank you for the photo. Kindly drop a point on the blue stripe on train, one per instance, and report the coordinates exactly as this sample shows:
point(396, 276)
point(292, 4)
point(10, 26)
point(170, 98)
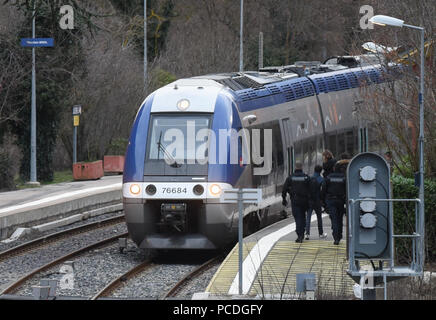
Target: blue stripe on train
point(225, 117)
point(135, 154)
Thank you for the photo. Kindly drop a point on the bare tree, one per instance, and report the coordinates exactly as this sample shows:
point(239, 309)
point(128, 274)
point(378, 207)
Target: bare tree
point(394, 108)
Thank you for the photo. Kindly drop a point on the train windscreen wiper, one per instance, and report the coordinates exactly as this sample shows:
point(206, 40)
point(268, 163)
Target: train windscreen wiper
point(165, 151)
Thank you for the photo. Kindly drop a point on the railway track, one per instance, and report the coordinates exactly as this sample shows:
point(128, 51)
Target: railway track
point(62, 240)
point(136, 271)
point(20, 282)
point(113, 285)
point(57, 236)
point(190, 277)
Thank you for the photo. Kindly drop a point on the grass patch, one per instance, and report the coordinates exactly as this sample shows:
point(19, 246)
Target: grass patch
point(58, 177)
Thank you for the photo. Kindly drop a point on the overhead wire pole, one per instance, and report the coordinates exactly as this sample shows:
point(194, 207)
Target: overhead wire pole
point(33, 108)
point(241, 48)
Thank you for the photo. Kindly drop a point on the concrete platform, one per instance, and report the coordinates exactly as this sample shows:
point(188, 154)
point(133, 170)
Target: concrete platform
point(272, 259)
point(24, 208)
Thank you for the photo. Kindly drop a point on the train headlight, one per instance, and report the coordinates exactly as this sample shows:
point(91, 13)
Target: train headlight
point(151, 189)
point(183, 104)
point(198, 189)
point(215, 189)
point(135, 189)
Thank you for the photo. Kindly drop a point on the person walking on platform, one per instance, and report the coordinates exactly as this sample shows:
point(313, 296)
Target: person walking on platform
point(298, 187)
point(333, 197)
point(315, 202)
point(328, 163)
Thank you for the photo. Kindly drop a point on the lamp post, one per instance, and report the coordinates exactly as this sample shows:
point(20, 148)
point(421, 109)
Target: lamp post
point(390, 21)
point(241, 36)
point(33, 173)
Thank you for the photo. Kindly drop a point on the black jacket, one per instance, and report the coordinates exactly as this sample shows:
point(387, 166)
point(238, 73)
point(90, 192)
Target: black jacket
point(328, 167)
point(333, 187)
point(298, 187)
point(342, 165)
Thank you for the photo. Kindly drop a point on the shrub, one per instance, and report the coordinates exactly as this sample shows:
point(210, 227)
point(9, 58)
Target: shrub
point(404, 216)
point(117, 146)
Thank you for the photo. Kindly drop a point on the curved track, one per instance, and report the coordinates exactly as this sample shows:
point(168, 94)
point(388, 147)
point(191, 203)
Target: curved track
point(190, 277)
point(51, 238)
point(17, 284)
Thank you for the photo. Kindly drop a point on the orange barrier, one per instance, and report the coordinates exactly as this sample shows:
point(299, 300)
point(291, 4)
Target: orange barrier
point(113, 164)
point(88, 170)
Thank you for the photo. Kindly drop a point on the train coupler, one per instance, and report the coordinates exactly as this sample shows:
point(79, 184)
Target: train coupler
point(174, 215)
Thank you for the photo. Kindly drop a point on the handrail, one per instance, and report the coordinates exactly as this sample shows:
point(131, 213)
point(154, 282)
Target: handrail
point(417, 236)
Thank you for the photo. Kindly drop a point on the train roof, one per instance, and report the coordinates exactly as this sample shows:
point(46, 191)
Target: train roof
point(303, 79)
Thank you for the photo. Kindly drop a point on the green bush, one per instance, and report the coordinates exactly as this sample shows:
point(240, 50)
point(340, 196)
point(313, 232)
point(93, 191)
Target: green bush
point(404, 216)
point(117, 146)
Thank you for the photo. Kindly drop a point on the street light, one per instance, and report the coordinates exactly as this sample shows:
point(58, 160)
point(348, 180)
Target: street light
point(390, 21)
point(241, 37)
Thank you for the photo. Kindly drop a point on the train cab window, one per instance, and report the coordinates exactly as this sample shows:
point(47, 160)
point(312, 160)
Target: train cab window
point(177, 137)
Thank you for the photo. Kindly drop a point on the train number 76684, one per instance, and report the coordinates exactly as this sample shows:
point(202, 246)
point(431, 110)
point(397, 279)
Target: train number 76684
point(174, 190)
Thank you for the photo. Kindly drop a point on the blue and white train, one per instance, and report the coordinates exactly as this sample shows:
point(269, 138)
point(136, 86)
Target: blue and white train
point(308, 107)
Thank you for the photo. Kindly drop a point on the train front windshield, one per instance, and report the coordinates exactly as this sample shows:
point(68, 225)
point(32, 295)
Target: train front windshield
point(179, 137)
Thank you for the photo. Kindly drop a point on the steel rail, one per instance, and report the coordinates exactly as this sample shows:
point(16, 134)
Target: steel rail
point(14, 286)
point(188, 277)
point(54, 237)
point(123, 278)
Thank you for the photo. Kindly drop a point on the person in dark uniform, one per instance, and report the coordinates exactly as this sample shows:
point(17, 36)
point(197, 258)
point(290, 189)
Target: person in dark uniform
point(333, 197)
point(328, 162)
point(315, 202)
point(298, 187)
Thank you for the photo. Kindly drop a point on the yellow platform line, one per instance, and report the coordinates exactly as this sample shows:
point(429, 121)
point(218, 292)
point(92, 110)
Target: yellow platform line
point(277, 274)
point(223, 278)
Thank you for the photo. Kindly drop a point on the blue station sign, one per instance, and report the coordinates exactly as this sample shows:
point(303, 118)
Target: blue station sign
point(37, 42)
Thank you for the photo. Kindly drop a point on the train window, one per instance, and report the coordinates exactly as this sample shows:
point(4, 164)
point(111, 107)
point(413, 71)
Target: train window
point(331, 143)
point(169, 137)
point(341, 144)
point(311, 154)
point(374, 141)
point(298, 152)
point(319, 149)
point(350, 142)
point(306, 155)
point(356, 141)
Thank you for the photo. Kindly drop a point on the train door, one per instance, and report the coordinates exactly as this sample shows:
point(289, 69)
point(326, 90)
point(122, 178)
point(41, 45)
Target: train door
point(285, 127)
point(363, 139)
